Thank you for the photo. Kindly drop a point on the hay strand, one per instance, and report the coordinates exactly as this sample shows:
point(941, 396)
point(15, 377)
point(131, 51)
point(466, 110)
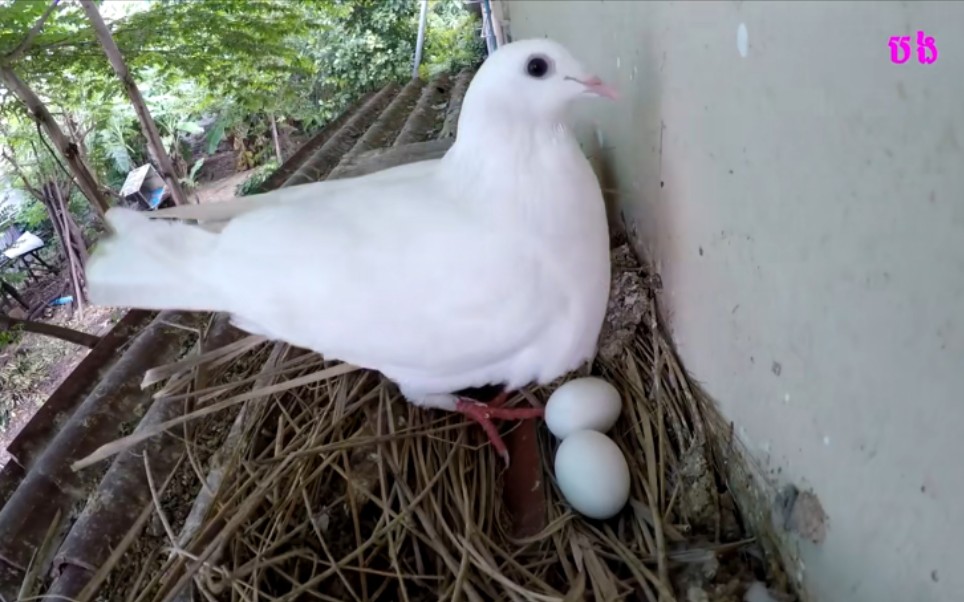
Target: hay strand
point(330, 486)
point(337, 485)
point(114, 447)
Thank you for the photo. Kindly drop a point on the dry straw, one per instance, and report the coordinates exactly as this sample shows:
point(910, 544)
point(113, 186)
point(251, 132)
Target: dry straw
point(330, 487)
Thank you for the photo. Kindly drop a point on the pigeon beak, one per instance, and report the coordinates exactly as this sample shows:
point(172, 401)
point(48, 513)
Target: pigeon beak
point(594, 85)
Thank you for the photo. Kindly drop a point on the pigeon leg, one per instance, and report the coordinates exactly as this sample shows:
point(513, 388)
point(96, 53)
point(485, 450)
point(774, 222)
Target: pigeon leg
point(501, 399)
point(484, 413)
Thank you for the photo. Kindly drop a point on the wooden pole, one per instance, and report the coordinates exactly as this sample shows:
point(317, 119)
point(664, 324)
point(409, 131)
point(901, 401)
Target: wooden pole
point(61, 213)
point(420, 41)
point(277, 140)
point(154, 145)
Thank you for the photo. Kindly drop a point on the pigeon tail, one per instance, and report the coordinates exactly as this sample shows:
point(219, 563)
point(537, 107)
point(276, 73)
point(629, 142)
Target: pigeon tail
point(151, 264)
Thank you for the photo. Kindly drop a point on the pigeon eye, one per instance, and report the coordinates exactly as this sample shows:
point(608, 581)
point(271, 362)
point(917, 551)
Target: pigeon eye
point(538, 67)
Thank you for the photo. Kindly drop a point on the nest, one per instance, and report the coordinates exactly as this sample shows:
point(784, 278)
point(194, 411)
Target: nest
point(330, 486)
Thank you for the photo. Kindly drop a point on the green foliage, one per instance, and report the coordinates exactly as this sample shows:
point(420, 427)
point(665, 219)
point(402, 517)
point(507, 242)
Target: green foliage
point(216, 135)
point(18, 16)
point(452, 40)
point(360, 45)
point(191, 178)
point(33, 216)
point(253, 183)
point(9, 337)
point(118, 128)
point(237, 61)
point(234, 48)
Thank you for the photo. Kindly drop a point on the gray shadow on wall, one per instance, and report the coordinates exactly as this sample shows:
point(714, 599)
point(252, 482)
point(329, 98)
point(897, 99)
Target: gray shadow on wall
point(628, 162)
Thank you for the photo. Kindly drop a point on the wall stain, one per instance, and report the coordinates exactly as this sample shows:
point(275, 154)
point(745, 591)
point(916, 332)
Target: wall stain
point(948, 141)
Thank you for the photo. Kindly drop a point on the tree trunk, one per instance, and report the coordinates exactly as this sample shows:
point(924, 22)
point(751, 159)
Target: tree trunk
point(277, 141)
point(85, 179)
point(148, 126)
point(51, 330)
point(78, 136)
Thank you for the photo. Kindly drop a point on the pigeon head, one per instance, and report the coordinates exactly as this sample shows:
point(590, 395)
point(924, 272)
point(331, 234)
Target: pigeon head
point(533, 79)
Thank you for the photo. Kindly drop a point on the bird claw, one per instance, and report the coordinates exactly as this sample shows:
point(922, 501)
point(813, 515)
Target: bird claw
point(484, 413)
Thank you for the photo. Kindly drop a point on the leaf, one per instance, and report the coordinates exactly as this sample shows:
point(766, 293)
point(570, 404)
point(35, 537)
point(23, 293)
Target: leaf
point(195, 168)
point(190, 127)
point(122, 159)
point(216, 135)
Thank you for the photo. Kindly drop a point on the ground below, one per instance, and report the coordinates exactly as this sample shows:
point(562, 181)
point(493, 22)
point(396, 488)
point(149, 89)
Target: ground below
point(33, 366)
point(223, 189)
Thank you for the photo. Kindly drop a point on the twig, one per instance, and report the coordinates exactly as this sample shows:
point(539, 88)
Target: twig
point(157, 503)
point(40, 558)
point(114, 447)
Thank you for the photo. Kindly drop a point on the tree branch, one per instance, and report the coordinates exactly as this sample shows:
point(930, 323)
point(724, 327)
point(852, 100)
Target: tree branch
point(23, 176)
point(24, 45)
point(51, 330)
point(85, 179)
point(40, 135)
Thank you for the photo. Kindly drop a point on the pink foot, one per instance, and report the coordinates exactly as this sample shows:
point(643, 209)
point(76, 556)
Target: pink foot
point(484, 413)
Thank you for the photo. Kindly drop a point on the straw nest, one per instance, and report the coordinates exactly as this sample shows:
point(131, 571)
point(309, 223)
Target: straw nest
point(330, 487)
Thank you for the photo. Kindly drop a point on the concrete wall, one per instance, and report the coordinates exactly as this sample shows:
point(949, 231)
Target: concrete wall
point(805, 206)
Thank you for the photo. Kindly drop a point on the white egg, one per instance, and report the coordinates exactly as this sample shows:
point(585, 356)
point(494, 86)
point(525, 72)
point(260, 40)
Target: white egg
point(582, 404)
point(592, 474)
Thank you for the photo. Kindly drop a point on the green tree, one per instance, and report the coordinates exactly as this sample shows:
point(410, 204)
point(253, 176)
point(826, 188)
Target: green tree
point(247, 62)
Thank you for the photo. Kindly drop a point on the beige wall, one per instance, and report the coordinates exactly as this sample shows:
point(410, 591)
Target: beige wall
point(810, 235)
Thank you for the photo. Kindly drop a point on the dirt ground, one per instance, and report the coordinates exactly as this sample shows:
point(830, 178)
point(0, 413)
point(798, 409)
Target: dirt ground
point(35, 365)
point(221, 190)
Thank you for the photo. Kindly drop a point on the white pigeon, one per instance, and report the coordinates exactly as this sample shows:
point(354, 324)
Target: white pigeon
point(489, 266)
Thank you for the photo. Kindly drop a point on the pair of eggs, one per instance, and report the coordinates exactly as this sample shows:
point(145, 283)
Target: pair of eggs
point(591, 470)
